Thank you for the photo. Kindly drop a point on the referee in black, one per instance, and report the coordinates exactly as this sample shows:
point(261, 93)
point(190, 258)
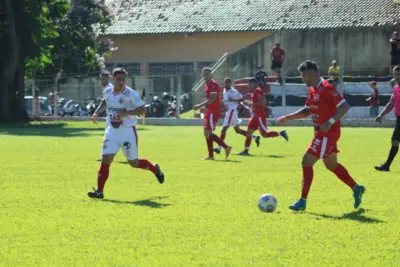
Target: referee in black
point(394, 102)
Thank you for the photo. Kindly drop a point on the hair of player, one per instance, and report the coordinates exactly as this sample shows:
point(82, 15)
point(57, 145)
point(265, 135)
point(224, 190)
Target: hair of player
point(105, 73)
point(227, 79)
point(308, 65)
point(207, 69)
point(119, 71)
point(396, 68)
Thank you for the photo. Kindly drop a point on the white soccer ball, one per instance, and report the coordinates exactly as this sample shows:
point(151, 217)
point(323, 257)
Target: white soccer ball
point(267, 203)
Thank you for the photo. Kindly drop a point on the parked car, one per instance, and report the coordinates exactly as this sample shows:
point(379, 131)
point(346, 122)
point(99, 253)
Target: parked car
point(43, 105)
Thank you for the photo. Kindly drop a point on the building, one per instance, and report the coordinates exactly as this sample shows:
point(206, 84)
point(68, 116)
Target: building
point(160, 38)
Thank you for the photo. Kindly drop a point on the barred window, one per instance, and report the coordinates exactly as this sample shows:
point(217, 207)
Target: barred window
point(170, 68)
point(133, 69)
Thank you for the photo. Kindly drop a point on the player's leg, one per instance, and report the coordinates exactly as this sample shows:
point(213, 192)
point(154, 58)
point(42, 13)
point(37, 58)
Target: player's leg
point(262, 127)
point(244, 133)
point(251, 128)
point(130, 149)
point(214, 138)
point(109, 150)
point(207, 134)
point(385, 167)
point(332, 164)
point(307, 163)
point(222, 137)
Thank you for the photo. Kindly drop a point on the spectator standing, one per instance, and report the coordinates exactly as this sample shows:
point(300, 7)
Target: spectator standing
point(373, 100)
point(277, 58)
point(261, 77)
point(395, 50)
point(334, 72)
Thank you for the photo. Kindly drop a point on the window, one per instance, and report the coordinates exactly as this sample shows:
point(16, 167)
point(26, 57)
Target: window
point(133, 69)
point(204, 64)
point(160, 69)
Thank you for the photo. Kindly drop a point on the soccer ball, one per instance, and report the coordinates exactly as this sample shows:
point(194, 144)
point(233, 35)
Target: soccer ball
point(267, 203)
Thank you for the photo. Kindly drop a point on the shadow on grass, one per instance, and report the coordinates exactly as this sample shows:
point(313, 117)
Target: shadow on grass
point(263, 156)
point(150, 203)
point(353, 216)
point(227, 160)
point(51, 129)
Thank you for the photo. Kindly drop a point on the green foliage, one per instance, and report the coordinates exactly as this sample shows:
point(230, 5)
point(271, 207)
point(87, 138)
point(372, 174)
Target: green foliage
point(205, 214)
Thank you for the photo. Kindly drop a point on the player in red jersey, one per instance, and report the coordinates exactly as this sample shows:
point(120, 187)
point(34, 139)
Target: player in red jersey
point(327, 107)
point(212, 104)
point(259, 119)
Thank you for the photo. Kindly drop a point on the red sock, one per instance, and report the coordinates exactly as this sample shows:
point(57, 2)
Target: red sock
point(247, 143)
point(217, 140)
point(344, 176)
point(308, 175)
point(210, 147)
point(269, 134)
point(147, 165)
point(102, 176)
point(222, 137)
point(242, 132)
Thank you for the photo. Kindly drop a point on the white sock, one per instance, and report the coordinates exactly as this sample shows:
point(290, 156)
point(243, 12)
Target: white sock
point(219, 148)
point(254, 137)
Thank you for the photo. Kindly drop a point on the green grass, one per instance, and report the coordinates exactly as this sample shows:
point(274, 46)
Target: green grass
point(205, 214)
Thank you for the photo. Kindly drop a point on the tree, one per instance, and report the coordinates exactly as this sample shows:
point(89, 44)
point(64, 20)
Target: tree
point(47, 35)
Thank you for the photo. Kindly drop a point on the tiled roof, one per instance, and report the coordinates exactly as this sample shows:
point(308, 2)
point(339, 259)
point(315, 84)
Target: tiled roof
point(187, 16)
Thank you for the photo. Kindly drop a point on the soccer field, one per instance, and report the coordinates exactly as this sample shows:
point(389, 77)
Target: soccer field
point(205, 214)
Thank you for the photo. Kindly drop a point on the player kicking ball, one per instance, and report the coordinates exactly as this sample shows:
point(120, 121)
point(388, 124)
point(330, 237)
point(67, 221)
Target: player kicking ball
point(232, 98)
point(259, 119)
point(394, 102)
point(327, 107)
point(123, 106)
point(212, 104)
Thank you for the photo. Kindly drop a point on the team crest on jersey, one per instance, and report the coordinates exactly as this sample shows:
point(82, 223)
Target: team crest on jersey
point(121, 100)
point(316, 97)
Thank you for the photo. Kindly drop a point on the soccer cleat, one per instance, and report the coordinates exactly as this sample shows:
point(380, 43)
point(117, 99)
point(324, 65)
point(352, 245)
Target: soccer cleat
point(244, 153)
point(96, 194)
point(382, 168)
point(285, 135)
point(358, 190)
point(299, 205)
point(208, 158)
point(217, 150)
point(159, 174)
point(228, 152)
point(257, 140)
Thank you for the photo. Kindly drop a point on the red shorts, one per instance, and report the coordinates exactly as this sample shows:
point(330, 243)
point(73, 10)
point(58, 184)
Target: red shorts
point(322, 146)
point(258, 122)
point(210, 121)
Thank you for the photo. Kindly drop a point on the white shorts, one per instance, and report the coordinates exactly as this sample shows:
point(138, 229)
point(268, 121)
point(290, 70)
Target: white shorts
point(231, 118)
point(123, 137)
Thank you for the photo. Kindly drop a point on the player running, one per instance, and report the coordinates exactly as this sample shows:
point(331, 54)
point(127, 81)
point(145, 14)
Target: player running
point(259, 119)
point(394, 102)
point(212, 104)
point(232, 98)
point(123, 107)
point(327, 107)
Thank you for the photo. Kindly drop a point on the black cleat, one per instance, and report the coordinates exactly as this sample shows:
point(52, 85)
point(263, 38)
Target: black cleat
point(257, 140)
point(96, 194)
point(159, 174)
point(382, 168)
point(285, 135)
point(217, 150)
point(243, 153)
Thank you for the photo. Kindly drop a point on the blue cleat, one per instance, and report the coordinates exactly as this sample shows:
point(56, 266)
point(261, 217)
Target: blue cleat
point(285, 135)
point(358, 190)
point(300, 204)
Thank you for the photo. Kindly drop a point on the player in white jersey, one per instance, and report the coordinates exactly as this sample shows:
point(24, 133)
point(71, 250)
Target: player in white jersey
point(123, 106)
point(232, 98)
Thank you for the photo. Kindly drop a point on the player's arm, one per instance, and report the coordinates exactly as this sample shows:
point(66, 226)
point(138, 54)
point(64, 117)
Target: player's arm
point(342, 107)
point(135, 112)
point(213, 97)
point(388, 108)
point(99, 109)
point(300, 114)
point(239, 98)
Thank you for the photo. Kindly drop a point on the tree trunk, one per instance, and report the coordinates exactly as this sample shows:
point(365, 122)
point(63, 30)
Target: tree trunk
point(11, 63)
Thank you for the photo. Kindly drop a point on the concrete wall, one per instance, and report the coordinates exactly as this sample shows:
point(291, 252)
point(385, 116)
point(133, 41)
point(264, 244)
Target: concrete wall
point(179, 47)
point(360, 50)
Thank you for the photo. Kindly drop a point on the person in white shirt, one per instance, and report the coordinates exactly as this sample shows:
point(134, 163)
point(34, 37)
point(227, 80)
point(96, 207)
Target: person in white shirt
point(232, 98)
point(123, 106)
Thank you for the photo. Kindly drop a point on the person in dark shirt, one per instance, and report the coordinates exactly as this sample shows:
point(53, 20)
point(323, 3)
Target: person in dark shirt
point(261, 77)
point(395, 51)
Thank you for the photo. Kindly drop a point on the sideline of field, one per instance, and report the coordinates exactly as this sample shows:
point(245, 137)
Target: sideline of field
point(359, 122)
